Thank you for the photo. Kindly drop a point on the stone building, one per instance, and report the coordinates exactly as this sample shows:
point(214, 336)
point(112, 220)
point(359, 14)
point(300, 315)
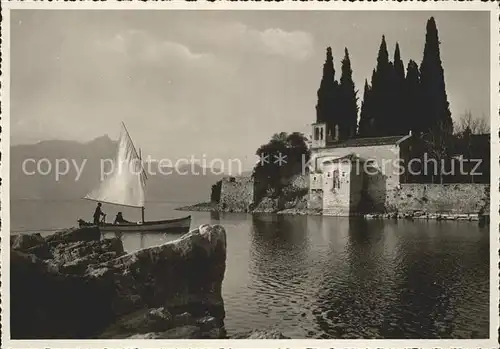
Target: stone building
point(356, 175)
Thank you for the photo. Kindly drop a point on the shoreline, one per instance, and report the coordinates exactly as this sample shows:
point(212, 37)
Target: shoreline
point(199, 207)
point(410, 215)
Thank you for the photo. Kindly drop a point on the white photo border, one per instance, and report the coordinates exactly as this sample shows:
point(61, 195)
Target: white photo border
point(492, 7)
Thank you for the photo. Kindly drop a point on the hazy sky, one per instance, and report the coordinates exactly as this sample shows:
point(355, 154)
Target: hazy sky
point(218, 83)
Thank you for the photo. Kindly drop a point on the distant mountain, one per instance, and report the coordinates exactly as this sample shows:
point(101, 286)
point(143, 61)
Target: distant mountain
point(33, 184)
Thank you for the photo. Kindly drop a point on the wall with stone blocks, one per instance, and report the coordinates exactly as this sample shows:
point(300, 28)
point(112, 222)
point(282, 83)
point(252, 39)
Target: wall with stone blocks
point(315, 200)
point(237, 194)
point(440, 198)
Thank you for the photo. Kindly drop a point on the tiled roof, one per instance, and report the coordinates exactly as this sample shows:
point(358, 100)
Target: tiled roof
point(366, 142)
point(350, 157)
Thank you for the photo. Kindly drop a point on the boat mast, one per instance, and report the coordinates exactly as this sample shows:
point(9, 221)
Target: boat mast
point(142, 208)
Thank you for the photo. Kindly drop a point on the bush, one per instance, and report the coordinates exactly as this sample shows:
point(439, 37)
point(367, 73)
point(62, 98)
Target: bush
point(270, 172)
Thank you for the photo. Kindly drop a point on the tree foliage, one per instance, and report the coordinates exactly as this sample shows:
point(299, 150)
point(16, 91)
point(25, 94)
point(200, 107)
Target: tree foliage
point(394, 102)
point(348, 100)
point(398, 115)
point(365, 117)
point(438, 146)
point(381, 93)
point(436, 113)
point(280, 159)
point(327, 92)
point(468, 124)
point(413, 98)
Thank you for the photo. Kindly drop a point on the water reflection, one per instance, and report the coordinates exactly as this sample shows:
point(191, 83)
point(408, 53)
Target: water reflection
point(353, 274)
point(214, 217)
point(327, 277)
point(438, 279)
point(278, 266)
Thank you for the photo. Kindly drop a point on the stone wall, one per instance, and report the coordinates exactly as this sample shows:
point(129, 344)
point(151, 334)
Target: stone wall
point(315, 181)
point(315, 200)
point(375, 191)
point(337, 196)
point(440, 198)
point(380, 174)
point(237, 194)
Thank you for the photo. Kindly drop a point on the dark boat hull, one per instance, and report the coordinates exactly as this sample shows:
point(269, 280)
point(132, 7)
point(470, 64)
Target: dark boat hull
point(174, 226)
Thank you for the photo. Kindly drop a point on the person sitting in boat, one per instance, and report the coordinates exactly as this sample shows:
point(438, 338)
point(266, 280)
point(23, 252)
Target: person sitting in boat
point(119, 219)
point(98, 213)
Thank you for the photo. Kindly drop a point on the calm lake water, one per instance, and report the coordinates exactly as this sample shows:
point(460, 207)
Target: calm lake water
point(325, 277)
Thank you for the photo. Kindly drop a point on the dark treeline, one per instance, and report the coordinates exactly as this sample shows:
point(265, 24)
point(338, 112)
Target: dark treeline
point(395, 101)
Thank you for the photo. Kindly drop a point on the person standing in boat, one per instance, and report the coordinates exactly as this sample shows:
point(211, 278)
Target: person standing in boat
point(98, 213)
point(119, 219)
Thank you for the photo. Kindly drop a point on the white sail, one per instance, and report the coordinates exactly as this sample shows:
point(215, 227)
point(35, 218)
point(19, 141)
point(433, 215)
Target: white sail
point(126, 183)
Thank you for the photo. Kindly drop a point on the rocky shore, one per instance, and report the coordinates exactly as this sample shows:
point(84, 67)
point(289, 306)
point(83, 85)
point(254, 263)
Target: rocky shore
point(75, 285)
point(201, 207)
point(304, 211)
point(283, 205)
point(211, 207)
point(422, 215)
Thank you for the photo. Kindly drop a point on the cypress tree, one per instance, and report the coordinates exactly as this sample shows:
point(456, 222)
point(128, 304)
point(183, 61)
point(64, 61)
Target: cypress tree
point(413, 99)
point(325, 107)
point(399, 117)
point(398, 63)
point(348, 100)
point(436, 109)
point(381, 92)
point(391, 119)
point(365, 116)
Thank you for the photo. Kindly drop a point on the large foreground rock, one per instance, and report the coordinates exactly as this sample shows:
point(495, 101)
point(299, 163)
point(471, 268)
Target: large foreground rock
point(25, 241)
point(74, 285)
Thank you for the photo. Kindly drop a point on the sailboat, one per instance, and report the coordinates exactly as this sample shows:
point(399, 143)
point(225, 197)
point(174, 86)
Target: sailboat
point(125, 186)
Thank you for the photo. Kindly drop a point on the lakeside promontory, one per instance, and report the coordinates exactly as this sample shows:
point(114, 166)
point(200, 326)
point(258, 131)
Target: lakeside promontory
point(460, 202)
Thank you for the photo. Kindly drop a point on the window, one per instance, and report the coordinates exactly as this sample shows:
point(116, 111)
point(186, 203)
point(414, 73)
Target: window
point(336, 179)
point(316, 133)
